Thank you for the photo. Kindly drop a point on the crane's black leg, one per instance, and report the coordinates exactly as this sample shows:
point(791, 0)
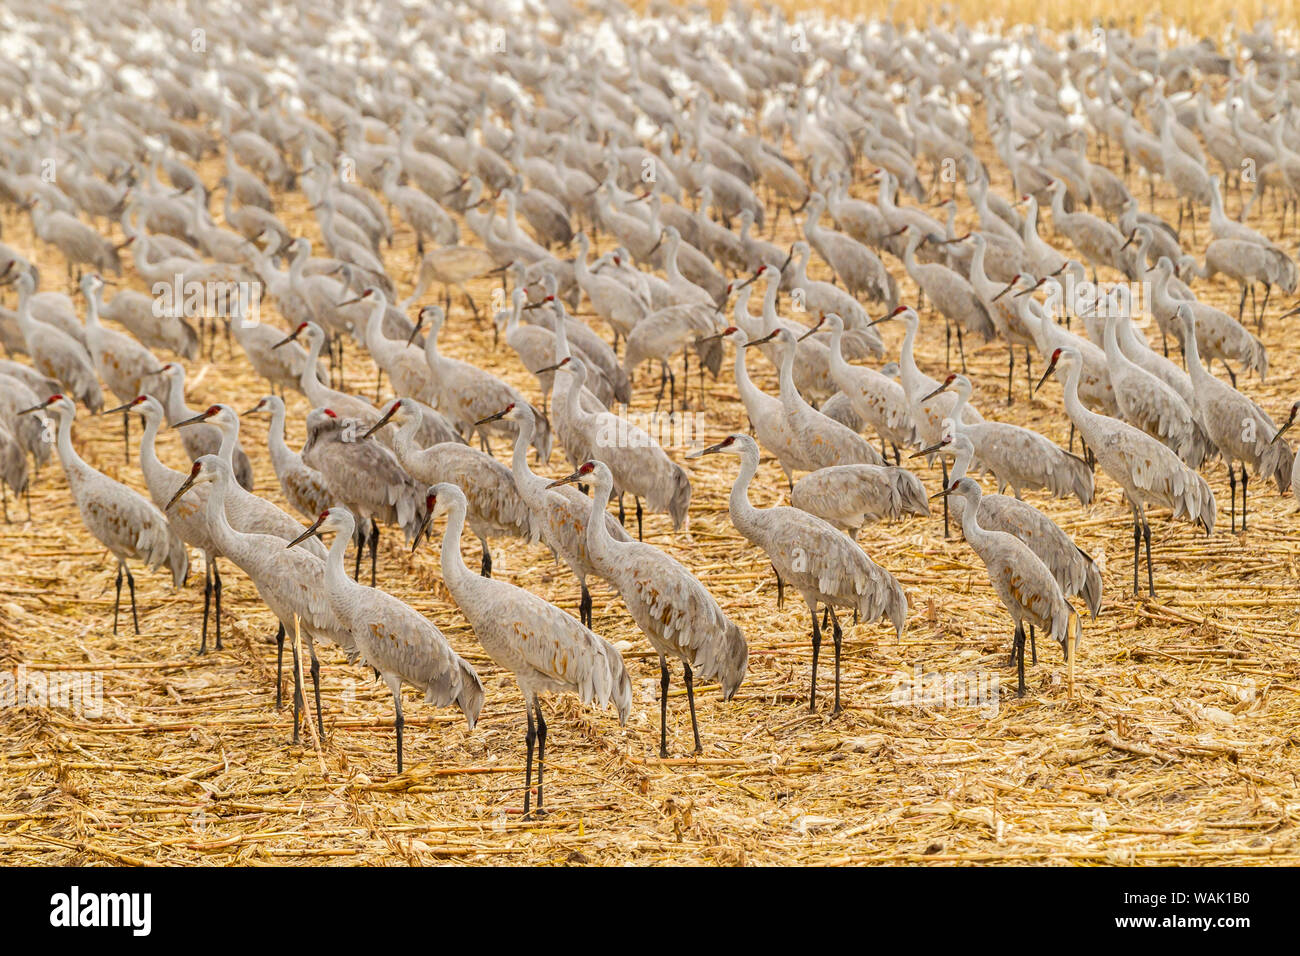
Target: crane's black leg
point(207, 604)
point(622, 516)
point(817, 646)
point(638, 519)
point(1232, 484)
point(530, 738)
point(584, 606)
point(1033, 645)
point(315, 685)
point(398, 723)
point(359, 538)
point(838, 636)
point(297, 694)
point(780, 588)
point(130, 583)
point(1244, 479)
point(374, 549)
point(126, 436)
point(216, 601)
point(690, 698)
point(663, 707)
point(1011, 366)
point(947, 345)
point(279, 667)
point(1020, 660)
point(117, 601)
point(1146, 534)
point(541, 753)
point(485, 566)
point(1029, 371)
point(961, 348)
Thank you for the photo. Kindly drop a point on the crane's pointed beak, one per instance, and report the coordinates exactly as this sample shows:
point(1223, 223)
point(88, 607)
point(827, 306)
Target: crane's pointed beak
point(201, 417)
point(767, 338)
point(928, 451)
point(1046, 375)
point(120, 408)
point(1033, 288)
point(1282, 431)
point(701, 452)
point(1005, 289)
point(423, 530)
point(415, 329)
point(352, 301)
point(551, 368)
point(1295, 311)
point(291, 337)
point(306, 534)
point(492, 418)
point(820, 323)
point(1128, 242)
point(186, 485)
point(35, 408)
point(940, 389)
point(748, 281)
point(256, 408)
point(383, 420)
point(942, 494)
point(576, 476)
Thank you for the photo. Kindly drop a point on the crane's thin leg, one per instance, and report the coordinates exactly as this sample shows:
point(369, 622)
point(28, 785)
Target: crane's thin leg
point(1011, 366)
point(207, 604)
point(1244, 479)
point(216, 600)
point(374, 549)
point(622, 516)
point(584, 606)
point(297, 695)
point(130, 583)
point(279, 667)
point(638, 518)
point(943, 462)
point(838, 637)
point(947, 344)
point(315, 683)
point(780, 588)
point(1033, 645)
point(398, 723)
point(961, 349)
point(817, 646)
point(541, 753)
point(1146, 534)
point(1232, 484)
point(530, 738)
point(1020, 660)
point(359, 538)
point(690, 698)
point(663, 707)
point(485, 566)
point(117, 601)
point(1029, 371)
point(126, 436)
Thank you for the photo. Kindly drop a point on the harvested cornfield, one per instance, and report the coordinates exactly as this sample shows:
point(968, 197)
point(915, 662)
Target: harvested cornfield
point(1178, 747)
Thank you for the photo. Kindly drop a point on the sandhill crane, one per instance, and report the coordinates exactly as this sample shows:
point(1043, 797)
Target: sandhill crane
point(80, 244)
point(200, 437)
point(391, 636)
point(820, 562)
point(363, 475)
point(497, 510)
point(1295, 463)
point(121, 519)
point(642, 468)
point(154, 328)
point(849, 496)
point(615, 303)
point(545, 649)
point(1240, 429)
point(1147, 471)
point(817, 297)
point(1023, 583)
point(418, 210)
point(1075, 570)
point(290, 581)
point(559, 514)
point(56, 354)
point(1097, 241)
point(1018, 457)
point(857, 267)
point(678, 616)
point(949, 292)
point(317, 392)
point(877, 400)
point(1219, 335)
point(1248, 264)
point(303, 486)
point(121, 362)
point(466, 393)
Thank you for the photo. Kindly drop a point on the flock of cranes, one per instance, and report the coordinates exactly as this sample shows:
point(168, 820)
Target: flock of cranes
point(439, 147)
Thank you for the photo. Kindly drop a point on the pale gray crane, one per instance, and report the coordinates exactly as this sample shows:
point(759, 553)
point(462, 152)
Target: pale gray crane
point(303, 486)
point(544, 648)
point(1074, 569)
point(363, 475)
point(1240, 429)
point(497, 508)
point(640, 465)
point(56, 354)
point(817, 297)
point(878, 401)
point(201, 437)
point(850, 496)
point(1022, 581)
point(678, 616)
point(950, 293)
point(121, 519)
point(122, 363)
point(317, 392)
point(1295, 463)
point(1018, 457)
point(614, 302)
point(391, 636)
point(1097, 241)
point(559, 514)
point(80, 244)
point(855, 264)
point(290, 581)
point(1219, 335)
point(817, 560)
point(1147, 471)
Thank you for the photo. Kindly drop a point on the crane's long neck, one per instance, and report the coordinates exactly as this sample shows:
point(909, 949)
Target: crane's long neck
point(528, 483)
point(149, 462)
point(838, 366)
point(599, 541)
point(1192, 352)
point(226, 450)
point(454, 572)
point(769, 303)
point(976, 535)
point(336, 576)
point(790, 396)
point(376, 341)
point(73, 465)
point(307, 377)
point(744, 514)
point(907, 360)
point(404, 445)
